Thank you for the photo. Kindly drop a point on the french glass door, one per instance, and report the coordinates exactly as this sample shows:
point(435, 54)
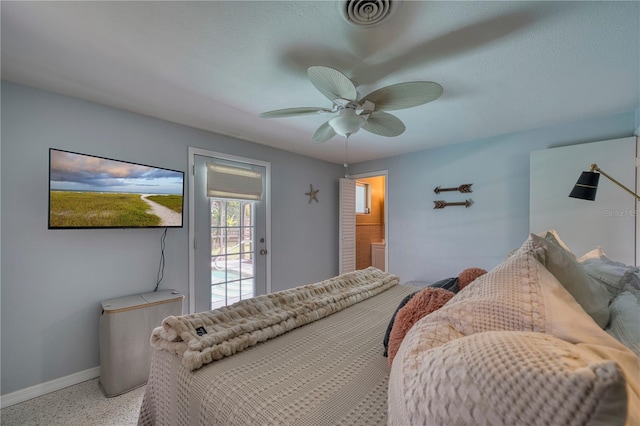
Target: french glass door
point(230, 246)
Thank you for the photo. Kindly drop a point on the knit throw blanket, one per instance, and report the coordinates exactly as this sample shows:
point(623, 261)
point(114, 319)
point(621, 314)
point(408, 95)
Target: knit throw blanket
point(205, 337)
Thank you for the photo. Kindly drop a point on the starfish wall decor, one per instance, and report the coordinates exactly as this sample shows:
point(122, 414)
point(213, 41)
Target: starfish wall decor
point(312, 194)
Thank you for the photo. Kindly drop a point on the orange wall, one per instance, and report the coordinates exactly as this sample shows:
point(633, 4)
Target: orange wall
point(370, 227)
point(376, 185)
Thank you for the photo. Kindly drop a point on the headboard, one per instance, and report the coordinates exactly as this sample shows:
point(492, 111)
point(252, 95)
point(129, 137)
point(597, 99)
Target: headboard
point(610, 221)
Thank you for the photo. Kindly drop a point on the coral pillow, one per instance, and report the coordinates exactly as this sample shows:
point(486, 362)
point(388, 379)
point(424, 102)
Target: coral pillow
point(468, 276)
point(385, 342)
point(423, 303)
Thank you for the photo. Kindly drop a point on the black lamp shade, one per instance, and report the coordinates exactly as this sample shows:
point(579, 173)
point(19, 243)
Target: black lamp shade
point(586, 186)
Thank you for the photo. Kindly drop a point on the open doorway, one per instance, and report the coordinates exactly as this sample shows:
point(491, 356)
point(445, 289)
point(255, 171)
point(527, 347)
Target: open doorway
point(371, 228)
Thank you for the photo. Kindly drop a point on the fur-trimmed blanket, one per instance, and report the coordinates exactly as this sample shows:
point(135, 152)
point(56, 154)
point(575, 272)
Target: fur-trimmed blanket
point(208, 336)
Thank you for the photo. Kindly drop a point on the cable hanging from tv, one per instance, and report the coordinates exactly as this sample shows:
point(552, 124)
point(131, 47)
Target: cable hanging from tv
point(161, 266)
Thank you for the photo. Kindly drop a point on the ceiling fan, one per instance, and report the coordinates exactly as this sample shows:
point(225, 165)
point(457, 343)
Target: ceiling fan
point(368, 112)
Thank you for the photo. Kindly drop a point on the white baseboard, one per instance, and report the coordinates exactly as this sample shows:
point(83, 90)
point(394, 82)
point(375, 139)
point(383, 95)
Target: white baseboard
point(47, 387)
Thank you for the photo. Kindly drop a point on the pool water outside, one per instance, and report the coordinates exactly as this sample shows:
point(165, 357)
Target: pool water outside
point(228, 283)
point(221, 276)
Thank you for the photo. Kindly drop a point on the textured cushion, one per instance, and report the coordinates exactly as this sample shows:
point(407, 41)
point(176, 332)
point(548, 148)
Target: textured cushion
point(450, 284)
point(468, 276)
point(519, 295)
point(423, 303)
point(385, 341)
point(589, 293)
point(507, 378)
point(612, 274)
point(625, 319)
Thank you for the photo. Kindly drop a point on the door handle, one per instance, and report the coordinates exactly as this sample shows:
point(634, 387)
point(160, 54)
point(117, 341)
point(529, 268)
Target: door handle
point(263, 252)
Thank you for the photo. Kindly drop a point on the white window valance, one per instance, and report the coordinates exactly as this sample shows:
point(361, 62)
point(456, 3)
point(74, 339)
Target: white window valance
point(225, 181)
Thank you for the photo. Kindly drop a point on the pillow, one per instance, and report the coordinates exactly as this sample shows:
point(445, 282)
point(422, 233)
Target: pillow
point(632, 279)
point(589, 293)
point(467, 276)
point(423, 303)
point(625, 319)
point(385, 342)
point(507, 378)
point(519, 295)
point(553, 237)
point(450, 284)
point(612, 274)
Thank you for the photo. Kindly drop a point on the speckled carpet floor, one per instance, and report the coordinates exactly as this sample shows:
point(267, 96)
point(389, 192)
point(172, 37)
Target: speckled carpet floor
point(83, 404)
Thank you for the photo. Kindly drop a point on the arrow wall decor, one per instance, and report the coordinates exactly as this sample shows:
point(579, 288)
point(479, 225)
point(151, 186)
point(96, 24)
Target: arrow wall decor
point(440, 204)
point(464, 188)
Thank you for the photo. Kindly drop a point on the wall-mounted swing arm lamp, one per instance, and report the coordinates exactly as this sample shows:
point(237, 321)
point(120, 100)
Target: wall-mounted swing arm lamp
point(587, 184)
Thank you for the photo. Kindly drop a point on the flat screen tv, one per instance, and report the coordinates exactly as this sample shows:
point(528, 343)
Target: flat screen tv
point(86, 191)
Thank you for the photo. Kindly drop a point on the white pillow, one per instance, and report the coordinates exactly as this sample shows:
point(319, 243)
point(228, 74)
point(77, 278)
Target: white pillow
point(612, 274)
point(589, 293)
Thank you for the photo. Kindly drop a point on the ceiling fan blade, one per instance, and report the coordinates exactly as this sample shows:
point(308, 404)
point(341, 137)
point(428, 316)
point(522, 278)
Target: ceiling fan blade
point(332, 83)
point(324, 133)
point(289, 112)
point(384, 124)
point(404, 95)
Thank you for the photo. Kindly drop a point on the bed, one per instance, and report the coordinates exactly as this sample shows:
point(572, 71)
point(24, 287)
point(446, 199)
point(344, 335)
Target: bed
point(536, 340)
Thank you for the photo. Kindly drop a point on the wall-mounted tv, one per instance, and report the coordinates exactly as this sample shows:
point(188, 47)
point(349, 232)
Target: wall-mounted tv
point(86, 191)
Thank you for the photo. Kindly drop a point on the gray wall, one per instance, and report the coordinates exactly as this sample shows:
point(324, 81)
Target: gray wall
point(429, 245)
point(53, 280)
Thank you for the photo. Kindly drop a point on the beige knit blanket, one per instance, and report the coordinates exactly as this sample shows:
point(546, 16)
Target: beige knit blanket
point(208, 336)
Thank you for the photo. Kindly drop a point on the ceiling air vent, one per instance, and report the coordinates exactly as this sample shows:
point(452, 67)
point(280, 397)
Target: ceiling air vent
point(367, 13)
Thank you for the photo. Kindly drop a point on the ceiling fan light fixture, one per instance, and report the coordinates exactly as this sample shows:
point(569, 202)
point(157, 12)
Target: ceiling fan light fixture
point(338, 88)
point(347, 122)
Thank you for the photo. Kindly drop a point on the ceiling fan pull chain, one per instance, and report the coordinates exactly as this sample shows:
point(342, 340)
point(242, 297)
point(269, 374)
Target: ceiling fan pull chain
point(346, 157)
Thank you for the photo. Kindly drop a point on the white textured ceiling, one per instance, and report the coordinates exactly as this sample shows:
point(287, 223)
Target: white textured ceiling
point(215, 65)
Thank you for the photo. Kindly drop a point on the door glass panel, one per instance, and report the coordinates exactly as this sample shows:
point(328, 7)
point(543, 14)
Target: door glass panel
point(232, 261)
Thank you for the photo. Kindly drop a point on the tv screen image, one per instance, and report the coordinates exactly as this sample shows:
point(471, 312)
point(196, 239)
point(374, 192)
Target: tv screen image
point(86, 191)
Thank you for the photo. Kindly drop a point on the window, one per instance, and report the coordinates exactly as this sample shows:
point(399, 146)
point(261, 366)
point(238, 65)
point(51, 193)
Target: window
point(232, 265)
point(363, 198)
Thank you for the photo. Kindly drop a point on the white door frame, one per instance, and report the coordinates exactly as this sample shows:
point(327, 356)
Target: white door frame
point(384, 173)
point(192, 152)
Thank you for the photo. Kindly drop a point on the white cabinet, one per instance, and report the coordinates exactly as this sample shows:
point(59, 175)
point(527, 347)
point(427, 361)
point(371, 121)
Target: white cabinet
point(126, 324)
point(378, 251)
